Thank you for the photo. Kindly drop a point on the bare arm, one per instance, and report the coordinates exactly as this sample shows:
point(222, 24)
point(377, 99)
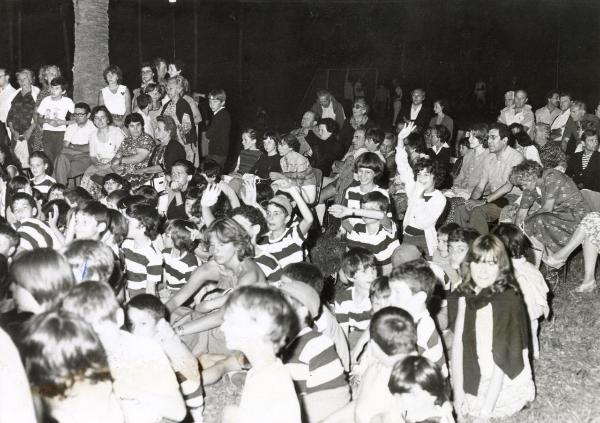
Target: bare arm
point(307, 217)
point(206, 272)
point(127, 100)
point(457, 359)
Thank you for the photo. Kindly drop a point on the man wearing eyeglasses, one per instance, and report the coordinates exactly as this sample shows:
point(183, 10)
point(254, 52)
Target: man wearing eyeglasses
point(478, 211)
point(7, 92)
point(75, 156)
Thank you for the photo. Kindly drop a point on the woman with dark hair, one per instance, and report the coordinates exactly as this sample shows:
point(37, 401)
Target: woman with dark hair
point(359, 119)
point(325, 146)
point(525, 145)
point(439, 151)
point(114, 96)
point(441, 118)
point(551, 207)
point(271, 161)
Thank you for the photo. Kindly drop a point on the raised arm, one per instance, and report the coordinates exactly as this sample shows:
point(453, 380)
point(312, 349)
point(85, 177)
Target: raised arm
point(307, 216)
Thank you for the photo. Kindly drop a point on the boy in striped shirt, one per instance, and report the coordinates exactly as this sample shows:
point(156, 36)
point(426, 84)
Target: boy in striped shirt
point(319, 377)
point(285, 243)
point(373, 233)
point(39, 163)
point(143, 263)
point(180, 261)
point(33, 233)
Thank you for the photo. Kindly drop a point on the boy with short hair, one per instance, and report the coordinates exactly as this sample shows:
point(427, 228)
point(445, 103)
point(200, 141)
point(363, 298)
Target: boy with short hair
point(412, 286)
point(39, 163)
point(33, 233)
point(144, 102)
point(53, 113)
point(9, 241)
point(143, 378)
point(142, 261)
point(91, 260)
point(352, 306)
point(146, 318)
point(314, 365)
point(257, 321)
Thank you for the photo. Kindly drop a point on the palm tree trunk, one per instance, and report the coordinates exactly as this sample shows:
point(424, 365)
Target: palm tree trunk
point(91, 49)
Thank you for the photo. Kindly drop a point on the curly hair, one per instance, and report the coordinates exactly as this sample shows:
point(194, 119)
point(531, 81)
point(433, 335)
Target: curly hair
point(484, 247)
point(525, 172)
point(432, 167)
point(227, 230)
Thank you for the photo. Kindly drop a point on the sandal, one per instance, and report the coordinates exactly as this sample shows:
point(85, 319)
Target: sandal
point(586, 287)
point(552, 262)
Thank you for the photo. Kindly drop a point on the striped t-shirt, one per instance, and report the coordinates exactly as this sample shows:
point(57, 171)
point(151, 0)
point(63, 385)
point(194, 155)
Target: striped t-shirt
point(33, 233)
point(382, 243)
point(44, 185)
point(429, 341)
point(143, 265)
point(287, 248)
point(313, 363)
point(268, 264)
point(352, 315)
point(178, 268)
point(352, 197)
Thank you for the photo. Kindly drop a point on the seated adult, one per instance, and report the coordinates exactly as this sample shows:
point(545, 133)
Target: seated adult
point(439, 151)
point(520, 112)
point(326, 147)
point(75, 156)
point(524, 145)
point(551, 154)
point(359, 119)
point(441, 118)
point(104, 143)
point(551, 207)
point(271, 161)
point(478, 211)
point(584, 166)
point(308, 124)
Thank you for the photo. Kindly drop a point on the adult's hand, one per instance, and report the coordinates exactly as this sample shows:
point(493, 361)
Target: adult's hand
point(471, 204)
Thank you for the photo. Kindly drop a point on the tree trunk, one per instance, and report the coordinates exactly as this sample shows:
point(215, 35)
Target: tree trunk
point(91, 49)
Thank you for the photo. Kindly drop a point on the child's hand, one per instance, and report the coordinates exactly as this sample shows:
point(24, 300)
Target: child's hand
point(248, 194)
point(53, 216)
point(339, 211)
point(405, 132)
point(286, 185)
point(210, 195)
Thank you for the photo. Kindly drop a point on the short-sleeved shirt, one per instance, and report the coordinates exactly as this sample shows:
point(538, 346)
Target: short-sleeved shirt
point(269, 265)
point(429, 341)
point(498, 168)
point(143, 265)
point(55, 109)
point(351, 314)
point(79, 135)
point(34, 233)
point(178, 269)
point(382, 243)
point(287, 248)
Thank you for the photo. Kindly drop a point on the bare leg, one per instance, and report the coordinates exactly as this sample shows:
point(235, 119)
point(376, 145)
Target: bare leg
point(590, 257)
point(534, 338)
point(213, 374)
point(575, 241)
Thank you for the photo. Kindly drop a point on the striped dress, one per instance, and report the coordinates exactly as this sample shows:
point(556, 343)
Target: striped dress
point(33, 234)
point(143, 267)
point(178, 268)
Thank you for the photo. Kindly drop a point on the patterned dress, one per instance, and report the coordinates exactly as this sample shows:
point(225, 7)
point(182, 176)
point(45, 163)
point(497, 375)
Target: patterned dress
point(554, 229)
point(591, 226)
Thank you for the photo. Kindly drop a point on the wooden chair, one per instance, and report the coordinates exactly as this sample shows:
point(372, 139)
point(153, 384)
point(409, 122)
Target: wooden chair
point(76, 180)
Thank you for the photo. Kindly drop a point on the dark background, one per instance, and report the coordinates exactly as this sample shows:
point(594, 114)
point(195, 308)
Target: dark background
point(267, 53)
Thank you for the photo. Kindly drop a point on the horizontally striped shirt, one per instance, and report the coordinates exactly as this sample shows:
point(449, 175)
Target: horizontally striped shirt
point(177, 269)
point(351, 314)
point(268, 264)
point(354, 195)
point(287, 248)
point(313, 363)
point(44, 185)
point(429, 341)
point(33, 233)
point(382, 243)
point(143, 265)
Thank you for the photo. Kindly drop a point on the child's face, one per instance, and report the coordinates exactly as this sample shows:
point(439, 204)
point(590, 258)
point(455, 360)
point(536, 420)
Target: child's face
point(86, 227)
point(484, 272)
point(364, 277)
point(371, 145)
point(111, 185)
point(380, 301)
point(365, 176)
point(142, 323)
point(222, 252)
point(457, 251)
point(56, 92)
point(402, 297)
point(22, 210)
point(189, 203)
point(56, 195)
point(276, 217)
point(134, 227)
point(442, 244)
point(239, 327)
point(425, 178)
point(247, 141)
point(5, 249)
point(370, 206)
point(37, 165)
point(167, 240)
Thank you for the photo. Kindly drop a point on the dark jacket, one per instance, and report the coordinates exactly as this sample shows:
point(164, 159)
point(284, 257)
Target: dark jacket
point(588, 178)
point(218, 133)
point(423, 118)
point(338, 110)
point(325, 152)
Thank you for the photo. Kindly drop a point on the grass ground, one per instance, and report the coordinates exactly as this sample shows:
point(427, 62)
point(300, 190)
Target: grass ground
point(567, 373)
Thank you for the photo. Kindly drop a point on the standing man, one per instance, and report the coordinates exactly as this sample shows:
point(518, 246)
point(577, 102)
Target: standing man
point(558, 125)
point(7, 92)
point(417, 112)
point(327, 106)
point(218, 132)
point(550, 111)
point(520, 112)
point(478, 211)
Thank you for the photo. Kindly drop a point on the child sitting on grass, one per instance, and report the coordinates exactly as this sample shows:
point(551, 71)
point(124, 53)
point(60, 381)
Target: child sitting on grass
point(146, 318)
point(258, 322)
point(420, 393)
point(531, 281)
point(311, 358)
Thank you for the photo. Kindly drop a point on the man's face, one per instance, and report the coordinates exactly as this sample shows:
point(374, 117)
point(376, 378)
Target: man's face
point(179, 175)
point(214, 103)
point(81, 116)
point(387, 146)
point(24, 80)
point(324, 101)
point(591, 143)
point(308, 120)
point(577, 113)
point(554, 100)
point(565, 103)
point(520, 99)
point(495, 143)
point(509, 99)
point(37, 166)
point(418, 97)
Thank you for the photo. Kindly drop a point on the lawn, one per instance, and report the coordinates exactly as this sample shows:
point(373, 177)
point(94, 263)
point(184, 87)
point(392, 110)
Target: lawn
point(567, 373)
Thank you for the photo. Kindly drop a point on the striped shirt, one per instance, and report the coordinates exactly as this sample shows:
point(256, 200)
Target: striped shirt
point(177, 269)
point(351, 314)
point(353, 195)
point(287, 248)
point(313, 363)
point(33, 234)
point(269, 265)
point(44, 185)
point(429, 341)
point(143, 265)
point(382, 243)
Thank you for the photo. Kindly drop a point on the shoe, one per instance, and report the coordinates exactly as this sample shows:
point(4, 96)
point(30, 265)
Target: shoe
point(552, 262)
point(586, 286)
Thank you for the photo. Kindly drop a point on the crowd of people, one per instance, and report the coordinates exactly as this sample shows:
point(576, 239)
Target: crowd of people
point(341, 271)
